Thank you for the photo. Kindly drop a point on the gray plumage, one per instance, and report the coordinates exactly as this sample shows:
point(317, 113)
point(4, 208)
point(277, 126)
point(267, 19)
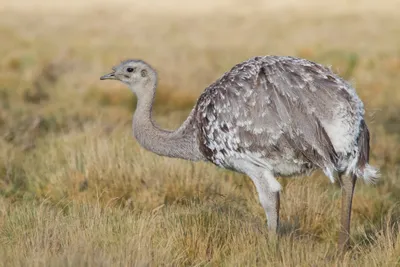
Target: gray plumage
point(279, 112)
point(268, 116)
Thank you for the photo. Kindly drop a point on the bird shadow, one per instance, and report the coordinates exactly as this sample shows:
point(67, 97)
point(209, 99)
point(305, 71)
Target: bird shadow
point(290, 228)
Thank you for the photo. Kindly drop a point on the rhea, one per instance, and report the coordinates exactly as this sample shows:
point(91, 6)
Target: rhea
point(268, 116)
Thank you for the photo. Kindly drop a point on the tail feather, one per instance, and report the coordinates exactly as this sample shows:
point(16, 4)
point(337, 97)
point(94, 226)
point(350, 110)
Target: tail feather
point(369, 173)
point(363, 169)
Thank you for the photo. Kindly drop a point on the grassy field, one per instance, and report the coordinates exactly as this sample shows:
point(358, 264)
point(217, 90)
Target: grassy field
point(77, 190)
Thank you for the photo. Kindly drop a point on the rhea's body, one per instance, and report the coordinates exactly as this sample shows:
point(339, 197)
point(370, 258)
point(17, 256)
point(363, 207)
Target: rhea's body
point(286, 115)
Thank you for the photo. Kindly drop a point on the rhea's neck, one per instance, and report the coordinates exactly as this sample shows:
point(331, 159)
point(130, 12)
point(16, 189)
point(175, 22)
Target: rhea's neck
point(181, 143)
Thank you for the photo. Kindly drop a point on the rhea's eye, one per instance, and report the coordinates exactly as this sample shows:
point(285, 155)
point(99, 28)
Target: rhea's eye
point(129, 69)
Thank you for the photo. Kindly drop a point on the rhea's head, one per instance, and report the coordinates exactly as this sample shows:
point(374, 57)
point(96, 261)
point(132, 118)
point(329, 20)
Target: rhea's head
point(137, 74)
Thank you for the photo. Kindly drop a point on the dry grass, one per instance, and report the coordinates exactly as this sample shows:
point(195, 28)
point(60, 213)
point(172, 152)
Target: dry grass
point(77, 190)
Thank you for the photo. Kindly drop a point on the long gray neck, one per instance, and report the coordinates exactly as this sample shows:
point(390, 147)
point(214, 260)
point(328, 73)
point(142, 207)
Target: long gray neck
point(181, 143)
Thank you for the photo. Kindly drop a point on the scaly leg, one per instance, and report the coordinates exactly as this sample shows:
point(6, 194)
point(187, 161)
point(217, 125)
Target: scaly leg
point(347, 184)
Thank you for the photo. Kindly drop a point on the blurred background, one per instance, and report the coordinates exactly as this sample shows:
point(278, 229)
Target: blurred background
point(65, 137)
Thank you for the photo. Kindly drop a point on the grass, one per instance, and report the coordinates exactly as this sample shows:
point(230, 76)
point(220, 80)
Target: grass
point(77, 190)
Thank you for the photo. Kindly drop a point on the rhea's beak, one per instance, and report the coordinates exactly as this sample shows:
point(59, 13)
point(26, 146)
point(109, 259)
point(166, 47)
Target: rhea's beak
point(109, 76)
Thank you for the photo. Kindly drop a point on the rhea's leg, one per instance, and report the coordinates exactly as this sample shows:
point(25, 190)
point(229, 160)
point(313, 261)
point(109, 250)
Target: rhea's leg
point(268, 193)
point(347, 185)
